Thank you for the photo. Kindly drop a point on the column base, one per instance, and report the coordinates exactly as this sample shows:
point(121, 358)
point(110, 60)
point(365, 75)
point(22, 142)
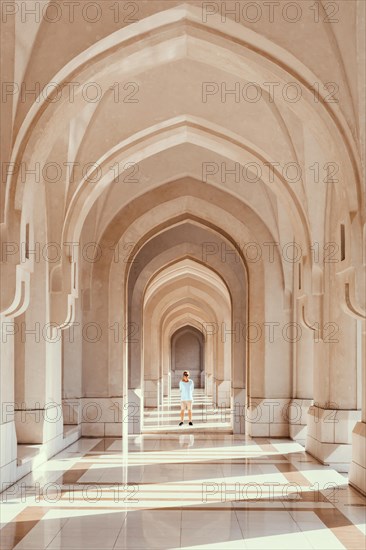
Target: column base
point(8, 456)
point(167, 384)
point(37, 426)
point(223, 393)
point(25, 458)
point(151, 396)
point(267, 417)
point(71, 411)
point(297, 414)
point(208, 385)
point(97, 416)
point(133, 414)
point(329, 436)
point(238, 410)
point(357, 472)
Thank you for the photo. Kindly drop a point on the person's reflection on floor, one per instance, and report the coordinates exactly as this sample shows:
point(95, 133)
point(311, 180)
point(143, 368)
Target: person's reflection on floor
point(186, 440)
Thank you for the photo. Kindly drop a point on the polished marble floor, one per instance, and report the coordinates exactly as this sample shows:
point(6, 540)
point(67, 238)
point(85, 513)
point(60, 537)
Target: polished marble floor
point(187, 490)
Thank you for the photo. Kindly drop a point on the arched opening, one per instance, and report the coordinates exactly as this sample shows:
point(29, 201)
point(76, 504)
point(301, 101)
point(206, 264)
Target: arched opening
point(191, 236)
point(187, 353)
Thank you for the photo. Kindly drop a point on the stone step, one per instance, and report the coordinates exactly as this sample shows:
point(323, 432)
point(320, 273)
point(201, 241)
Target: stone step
point(26, 453)
point(70, 429)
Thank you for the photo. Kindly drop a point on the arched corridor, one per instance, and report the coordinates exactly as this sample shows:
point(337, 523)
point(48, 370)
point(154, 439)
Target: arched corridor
point(183, 189)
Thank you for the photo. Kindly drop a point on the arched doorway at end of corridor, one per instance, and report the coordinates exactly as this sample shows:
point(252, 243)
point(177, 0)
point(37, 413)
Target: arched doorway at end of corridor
point(187, 353)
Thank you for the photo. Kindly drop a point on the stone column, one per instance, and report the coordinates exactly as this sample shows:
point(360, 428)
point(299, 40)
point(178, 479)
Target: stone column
point(357, 473)
point(307, 334)
point(38, 408)
point(8, 457)
point(334, 414)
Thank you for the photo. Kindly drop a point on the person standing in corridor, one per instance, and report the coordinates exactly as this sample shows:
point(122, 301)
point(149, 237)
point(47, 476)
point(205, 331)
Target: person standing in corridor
point(186, 387)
